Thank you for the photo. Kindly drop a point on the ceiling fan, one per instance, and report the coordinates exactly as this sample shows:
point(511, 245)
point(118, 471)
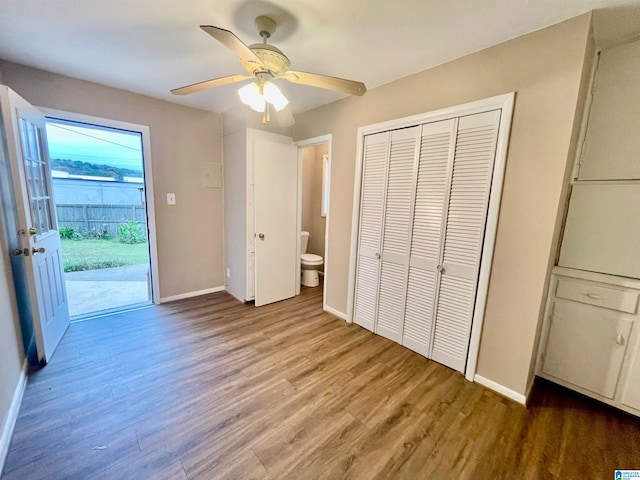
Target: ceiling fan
point(264, 63)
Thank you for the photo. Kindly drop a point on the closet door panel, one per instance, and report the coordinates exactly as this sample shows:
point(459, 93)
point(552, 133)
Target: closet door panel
point(419, 310)
point(376, 151)
point(474, 156)
point(391, 304)
point(436, 154)
point(398, 213)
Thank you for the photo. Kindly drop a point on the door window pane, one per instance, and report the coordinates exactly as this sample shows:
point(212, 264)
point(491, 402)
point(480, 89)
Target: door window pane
point(36, 170)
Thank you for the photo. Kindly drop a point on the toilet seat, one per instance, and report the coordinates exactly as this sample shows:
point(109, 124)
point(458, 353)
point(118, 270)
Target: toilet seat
point(311, 259)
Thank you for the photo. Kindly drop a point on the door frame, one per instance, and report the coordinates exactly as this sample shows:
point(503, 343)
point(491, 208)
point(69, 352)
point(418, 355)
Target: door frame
point(144, 131)
point(505, 102)
point(302, 144)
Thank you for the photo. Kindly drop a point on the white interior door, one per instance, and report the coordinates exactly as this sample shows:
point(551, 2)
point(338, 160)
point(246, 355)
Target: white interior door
point(436, 158)
point(374, 180)
point(475, 151)
point(27, 147)
point(396, 231)
point(275, 176)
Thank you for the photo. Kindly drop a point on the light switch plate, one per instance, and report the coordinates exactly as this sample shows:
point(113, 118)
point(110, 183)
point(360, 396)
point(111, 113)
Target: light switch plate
point(171, 198)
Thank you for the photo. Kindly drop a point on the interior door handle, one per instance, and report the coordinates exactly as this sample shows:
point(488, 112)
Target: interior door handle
point(261, 236)
point(17, 251)
point(36, 251)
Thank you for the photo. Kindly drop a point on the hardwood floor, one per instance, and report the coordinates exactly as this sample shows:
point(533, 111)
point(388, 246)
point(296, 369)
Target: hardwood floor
point(209, 388)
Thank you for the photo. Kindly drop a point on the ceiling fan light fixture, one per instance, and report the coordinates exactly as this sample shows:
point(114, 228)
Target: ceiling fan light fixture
point(274, 96)
point(250, 95)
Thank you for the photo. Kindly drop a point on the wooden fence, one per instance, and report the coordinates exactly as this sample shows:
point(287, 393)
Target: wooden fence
point(94, 219)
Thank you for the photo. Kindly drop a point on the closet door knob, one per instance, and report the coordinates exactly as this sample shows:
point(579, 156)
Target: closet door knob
point(440, 268)
point(619, 339)
point(377, 255)
point(261, 236)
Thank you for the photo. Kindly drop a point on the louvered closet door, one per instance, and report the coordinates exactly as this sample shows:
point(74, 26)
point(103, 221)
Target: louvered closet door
point(463, 237)
point(376, 154)
point(396, 231)
point(436, 155)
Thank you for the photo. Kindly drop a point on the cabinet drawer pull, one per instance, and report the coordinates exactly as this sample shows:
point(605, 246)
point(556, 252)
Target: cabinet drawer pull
point(594, 296)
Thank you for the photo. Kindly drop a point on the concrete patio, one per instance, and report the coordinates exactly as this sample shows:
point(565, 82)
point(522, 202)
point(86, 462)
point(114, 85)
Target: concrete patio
point(94, 291)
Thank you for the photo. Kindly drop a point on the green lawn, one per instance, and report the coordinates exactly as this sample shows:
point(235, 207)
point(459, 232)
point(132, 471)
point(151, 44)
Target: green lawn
point(91, 254)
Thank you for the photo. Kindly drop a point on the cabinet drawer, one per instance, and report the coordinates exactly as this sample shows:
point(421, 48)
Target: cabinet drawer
point(621, 300)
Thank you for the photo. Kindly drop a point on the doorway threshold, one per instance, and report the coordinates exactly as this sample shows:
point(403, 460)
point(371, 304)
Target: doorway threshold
point(110, 312)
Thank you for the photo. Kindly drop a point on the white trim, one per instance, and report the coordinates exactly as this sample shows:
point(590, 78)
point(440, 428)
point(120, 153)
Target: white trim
point(501, 389)
point(301, 144)
point(334, 312)
point(197, 293)
point(12, 415)
point(504, 102)
point(148, 179)
point(584, 123)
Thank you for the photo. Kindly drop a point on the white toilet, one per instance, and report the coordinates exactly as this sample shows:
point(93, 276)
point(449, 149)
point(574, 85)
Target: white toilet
point(310, 264)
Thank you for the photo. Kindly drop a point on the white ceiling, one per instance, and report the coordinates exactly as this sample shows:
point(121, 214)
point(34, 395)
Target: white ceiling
point(152, 46)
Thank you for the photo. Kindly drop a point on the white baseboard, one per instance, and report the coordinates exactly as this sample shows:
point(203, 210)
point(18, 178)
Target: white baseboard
point(12, 416)
point(192, 294)
point(335, 312)
point(501, 389)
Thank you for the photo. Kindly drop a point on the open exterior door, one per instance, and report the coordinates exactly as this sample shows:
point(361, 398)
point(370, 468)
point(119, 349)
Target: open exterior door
point(275, 169)
point(24, 129)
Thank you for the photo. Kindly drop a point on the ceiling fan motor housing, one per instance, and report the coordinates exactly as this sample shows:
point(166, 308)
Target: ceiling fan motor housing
point(275, 61)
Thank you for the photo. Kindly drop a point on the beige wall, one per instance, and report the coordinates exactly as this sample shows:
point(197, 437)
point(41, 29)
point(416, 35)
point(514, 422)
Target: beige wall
point(545, 70)
point(190, 233)
point(11, 354)
point(312, 220)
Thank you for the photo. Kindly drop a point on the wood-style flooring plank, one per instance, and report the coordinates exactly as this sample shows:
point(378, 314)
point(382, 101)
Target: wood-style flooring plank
point(210, 388)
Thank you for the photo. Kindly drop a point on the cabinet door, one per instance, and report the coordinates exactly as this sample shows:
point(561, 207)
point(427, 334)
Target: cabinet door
point(612, 142)
point(374, 174)
point(436, 155)
point(602, 232)
point(398, 213)
point(631, 394)
point(586, 347)
point(466, 215)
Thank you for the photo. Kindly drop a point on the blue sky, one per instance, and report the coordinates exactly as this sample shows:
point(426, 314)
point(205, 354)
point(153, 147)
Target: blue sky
point(115, 148)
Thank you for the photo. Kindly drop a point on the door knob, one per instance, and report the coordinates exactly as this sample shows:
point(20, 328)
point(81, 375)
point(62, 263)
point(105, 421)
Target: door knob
point(440, 268)
point(378, 256)
point(36, 251)
point(261, 236)
point(17, 251)
point(32, 231)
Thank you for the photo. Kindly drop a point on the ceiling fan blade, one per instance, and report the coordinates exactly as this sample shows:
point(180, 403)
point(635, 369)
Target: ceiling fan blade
point(216, 82)
point(324, 81)
point(233, 43)
point(284, 117)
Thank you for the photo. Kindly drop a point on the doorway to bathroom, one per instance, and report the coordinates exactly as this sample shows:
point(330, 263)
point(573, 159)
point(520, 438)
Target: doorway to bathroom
point(314, 156)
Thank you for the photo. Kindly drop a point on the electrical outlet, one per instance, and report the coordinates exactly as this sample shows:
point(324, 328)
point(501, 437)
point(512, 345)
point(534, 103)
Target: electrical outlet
point(171, 198)
point(228, 272)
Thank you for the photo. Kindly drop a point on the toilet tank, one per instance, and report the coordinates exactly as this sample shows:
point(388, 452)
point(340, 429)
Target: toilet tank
point(304, 242)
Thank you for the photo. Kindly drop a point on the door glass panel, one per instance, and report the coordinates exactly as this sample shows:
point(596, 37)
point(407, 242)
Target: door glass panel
point(35, 168)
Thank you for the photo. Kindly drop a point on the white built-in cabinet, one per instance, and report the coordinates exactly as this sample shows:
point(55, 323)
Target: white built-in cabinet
point(590, 338)
point(423, 206)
